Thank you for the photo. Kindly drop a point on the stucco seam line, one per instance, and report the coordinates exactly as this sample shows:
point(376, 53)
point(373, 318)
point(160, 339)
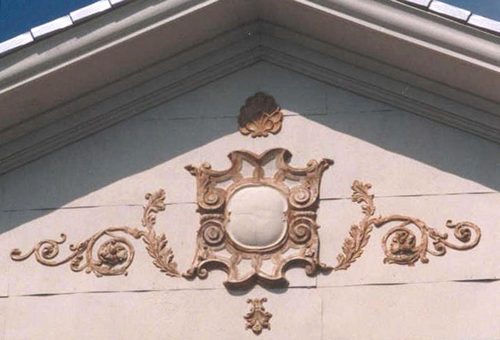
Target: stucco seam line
point(55, 26)
point(340, 198)
point(420, 195)
point(130, 205)
point(222, 288)
point(381, 284)
point(288, 114)
point(134, 291)
point(457, 14)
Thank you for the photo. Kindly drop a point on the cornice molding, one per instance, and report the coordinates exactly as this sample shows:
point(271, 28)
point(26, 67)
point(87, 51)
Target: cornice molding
point(411, 24)
point(132, 101)
point(315, 54)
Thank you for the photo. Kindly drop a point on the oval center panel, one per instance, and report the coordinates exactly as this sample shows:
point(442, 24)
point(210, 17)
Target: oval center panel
point(256, 217)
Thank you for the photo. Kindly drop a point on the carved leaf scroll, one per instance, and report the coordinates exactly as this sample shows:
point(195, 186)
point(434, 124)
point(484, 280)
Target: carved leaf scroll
point(359, 234)
point(114, 255)
point(400, 244)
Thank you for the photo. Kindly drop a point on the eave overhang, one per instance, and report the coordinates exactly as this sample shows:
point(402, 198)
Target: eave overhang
point(382, 49)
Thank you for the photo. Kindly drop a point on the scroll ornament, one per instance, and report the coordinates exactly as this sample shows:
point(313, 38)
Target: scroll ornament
point(400, 244)
point(297, 246)
point(110, 252)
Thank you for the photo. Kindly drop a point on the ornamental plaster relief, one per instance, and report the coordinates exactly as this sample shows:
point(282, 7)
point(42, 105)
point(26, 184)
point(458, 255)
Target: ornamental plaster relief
point(105, 193)
point(478, 263)
point(257, 319)
point(260, 116)
point(335, 218)
point(109, 251)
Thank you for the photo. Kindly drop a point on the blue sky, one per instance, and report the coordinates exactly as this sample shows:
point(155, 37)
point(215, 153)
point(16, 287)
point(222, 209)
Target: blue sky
point(18, 16)
point(487, 8)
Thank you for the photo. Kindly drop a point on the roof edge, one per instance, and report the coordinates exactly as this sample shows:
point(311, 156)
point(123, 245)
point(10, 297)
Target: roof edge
point(421, 27)
point(217, 58)
point(400, 19)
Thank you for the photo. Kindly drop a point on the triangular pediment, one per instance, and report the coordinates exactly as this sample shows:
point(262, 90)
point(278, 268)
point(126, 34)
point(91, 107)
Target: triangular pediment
point(151, 54)
point(384, 180)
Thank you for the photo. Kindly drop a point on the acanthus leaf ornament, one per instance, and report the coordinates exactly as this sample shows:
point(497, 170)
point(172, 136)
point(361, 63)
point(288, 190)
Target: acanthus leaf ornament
point(114, 255)
point(258, 318)
point(400, 244)
point(298, 245)
point(359, 234)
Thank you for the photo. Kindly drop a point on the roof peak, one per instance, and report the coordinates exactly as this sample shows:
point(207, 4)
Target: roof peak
point(85, 13)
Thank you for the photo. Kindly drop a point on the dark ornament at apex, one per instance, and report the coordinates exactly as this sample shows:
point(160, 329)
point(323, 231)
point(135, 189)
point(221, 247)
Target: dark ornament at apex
point(260, 116)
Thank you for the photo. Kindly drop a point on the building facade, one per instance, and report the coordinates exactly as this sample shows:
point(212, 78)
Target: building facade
point(359, 200)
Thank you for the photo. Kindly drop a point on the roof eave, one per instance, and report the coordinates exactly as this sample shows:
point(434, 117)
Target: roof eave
point(39, 78)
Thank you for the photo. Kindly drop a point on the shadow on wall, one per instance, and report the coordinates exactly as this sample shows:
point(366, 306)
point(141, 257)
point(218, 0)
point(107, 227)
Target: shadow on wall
point(209, 113)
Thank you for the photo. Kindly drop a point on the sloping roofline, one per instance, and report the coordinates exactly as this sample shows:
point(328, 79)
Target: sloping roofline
point(394, 53)
point(102, 6)
point(462, 15)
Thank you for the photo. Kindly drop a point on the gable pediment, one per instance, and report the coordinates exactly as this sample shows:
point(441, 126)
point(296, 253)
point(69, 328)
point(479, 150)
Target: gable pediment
point(48, 102)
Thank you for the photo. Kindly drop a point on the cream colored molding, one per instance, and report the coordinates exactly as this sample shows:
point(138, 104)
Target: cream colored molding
point(137, 19)
point(41, 113)
point(415, 26)
point(95, 36)
point(114, 252)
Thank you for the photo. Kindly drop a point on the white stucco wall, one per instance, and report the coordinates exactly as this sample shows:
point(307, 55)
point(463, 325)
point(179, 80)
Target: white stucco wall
point(417, 167)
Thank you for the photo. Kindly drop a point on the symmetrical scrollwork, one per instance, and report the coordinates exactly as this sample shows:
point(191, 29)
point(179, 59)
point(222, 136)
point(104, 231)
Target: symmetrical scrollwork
point(108, 252)
point(298, 246)
point(260, 116)
point(400, 244)
point(258, 318)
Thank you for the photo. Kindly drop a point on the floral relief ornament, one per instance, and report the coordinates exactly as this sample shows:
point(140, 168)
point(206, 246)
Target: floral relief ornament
point(258, 318)
point(401, 244)
point(109, 252)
